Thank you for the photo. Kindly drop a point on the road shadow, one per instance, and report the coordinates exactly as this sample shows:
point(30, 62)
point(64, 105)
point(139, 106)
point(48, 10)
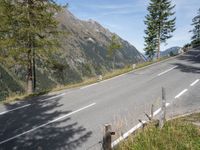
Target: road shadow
point(187, 68)
point(61, 134)
point(191, 56)
point(191, 62)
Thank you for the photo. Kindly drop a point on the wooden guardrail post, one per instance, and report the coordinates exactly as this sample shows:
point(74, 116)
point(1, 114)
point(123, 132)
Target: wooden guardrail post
point(107, 139)
point(163, 108)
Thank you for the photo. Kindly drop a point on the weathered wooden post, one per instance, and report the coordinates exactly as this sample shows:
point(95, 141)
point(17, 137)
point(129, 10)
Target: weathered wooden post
point(107, 139)
point(163, 108)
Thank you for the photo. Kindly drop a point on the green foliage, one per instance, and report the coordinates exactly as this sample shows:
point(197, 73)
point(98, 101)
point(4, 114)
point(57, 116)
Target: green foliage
point(171, 54)
point(28, 31)
point(8, 84)
point(114, 46)
point(159, 26)
point(196, 30)
point(178, 134)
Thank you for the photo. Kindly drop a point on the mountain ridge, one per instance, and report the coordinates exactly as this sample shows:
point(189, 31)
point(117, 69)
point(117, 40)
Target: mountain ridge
point(83, 53)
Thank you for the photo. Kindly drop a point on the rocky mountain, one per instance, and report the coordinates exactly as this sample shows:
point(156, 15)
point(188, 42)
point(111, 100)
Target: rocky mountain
point(83, 53)
point(171, 51)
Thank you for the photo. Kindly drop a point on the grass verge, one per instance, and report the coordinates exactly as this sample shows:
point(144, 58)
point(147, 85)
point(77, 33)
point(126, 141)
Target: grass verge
point(178, 134)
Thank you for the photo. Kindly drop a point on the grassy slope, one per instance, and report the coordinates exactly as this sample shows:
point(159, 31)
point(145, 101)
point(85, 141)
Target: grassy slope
point(177, 134)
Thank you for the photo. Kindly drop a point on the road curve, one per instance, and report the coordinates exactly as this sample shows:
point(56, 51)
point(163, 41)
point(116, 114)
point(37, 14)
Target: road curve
point(74, 119)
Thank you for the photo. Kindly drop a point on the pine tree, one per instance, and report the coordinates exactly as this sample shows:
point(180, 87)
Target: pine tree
point(196, 29)
point(31, 31)
point(114, 46)
point(160, 25)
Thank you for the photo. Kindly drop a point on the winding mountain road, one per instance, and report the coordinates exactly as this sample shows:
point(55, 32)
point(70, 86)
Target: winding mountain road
point(74, 119)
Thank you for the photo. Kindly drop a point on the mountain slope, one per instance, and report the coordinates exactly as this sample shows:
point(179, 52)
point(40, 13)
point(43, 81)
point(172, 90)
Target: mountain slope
point(83, 53)
point(171, 51)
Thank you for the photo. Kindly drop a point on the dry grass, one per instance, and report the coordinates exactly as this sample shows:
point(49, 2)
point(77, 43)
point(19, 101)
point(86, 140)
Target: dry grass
point(177, 134)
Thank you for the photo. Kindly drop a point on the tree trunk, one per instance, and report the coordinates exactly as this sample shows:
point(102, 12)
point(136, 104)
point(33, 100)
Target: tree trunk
point(29, 76)
point(34, 72)
point(158, 49)
point(113, 62)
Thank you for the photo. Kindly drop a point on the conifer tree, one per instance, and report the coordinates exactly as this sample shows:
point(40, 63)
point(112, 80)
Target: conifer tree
point(114, 46)
point(196, 29)
point(160, 25)
point(30, 31)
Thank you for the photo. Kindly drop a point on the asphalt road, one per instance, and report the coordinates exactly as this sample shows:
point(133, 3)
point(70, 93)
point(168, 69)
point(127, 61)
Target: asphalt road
point(74, 119)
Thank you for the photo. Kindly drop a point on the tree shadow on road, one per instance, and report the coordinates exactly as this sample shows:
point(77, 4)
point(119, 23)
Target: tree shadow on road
point(191, 56)
point(61, 134)
point(191, 62)
point(187, 68)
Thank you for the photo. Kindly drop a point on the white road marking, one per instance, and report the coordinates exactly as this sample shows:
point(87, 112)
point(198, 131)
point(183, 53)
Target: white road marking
point(53, 97)
point(197, 56)
point(125, 135)
point(159, 110)
point(114, 77)
point(57, 119)
point(166, 71)
point(195, 82)
point(87, 86)
point(181, 93)
point(5, 112)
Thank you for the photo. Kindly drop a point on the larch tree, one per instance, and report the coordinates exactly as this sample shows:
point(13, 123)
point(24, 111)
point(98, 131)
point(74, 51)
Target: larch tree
point(113, 47)
point(160, 24)
point(30, 31)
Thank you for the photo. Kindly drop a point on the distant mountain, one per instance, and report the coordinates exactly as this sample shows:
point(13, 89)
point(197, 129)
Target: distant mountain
point(83, 53)
point(171, 51)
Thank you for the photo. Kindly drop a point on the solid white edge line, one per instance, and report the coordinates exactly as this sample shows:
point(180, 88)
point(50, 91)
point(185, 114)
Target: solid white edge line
point(181, 93)
point(57, 119)
point(53, 97)
point(5, 112)
point(195, 82)
point(87, 86)
point(125, 135)
point(159, 110)
point(166, 71)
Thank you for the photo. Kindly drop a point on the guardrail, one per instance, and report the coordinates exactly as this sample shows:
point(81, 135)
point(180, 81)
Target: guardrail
point(107, 138)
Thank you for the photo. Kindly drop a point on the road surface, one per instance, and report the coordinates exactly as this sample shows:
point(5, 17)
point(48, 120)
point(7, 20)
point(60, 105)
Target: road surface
point(74, 119)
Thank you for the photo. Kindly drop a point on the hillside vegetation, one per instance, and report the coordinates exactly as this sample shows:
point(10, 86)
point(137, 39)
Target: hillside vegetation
point(83, 54)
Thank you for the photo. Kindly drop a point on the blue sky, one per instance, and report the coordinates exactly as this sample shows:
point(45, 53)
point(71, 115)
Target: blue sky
point(126, 18)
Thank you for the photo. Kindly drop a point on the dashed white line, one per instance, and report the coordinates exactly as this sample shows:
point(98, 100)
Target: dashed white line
point(181, 93)
point(166, 71)
point(195, 82)
point(5, 112)
point(125, 135)
point(57, 119)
